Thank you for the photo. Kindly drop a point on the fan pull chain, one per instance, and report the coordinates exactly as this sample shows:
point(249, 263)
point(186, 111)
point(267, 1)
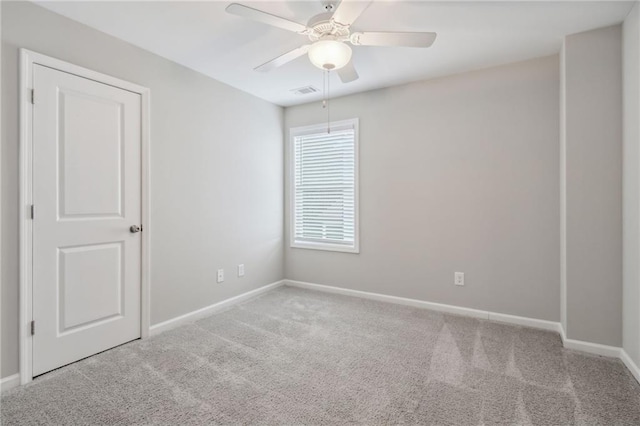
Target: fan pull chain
point(324, 89)
point(328, 102)
point(325, 97)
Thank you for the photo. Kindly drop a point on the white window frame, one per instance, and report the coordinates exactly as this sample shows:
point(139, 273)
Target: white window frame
point(319, 128)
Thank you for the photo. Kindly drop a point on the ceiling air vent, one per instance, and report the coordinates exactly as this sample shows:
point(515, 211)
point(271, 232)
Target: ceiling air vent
point(305, 90)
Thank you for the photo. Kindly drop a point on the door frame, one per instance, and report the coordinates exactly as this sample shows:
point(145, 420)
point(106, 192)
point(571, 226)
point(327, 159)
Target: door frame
point(27, 61)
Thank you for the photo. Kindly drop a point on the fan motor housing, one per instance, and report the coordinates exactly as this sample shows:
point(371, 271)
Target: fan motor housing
point(325, 28)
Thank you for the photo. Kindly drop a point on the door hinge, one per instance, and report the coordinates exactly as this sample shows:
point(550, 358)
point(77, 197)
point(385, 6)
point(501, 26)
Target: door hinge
point(33, 211)
point(33, 96)
point(33, 328)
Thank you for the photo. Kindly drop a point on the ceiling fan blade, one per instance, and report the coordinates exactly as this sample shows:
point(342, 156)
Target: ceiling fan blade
point(393, 39)
point(348, 73)
point(283, 59)
point(350, 10)
point(265, 18)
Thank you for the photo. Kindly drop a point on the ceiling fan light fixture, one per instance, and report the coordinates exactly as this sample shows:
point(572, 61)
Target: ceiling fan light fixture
point(329, 54)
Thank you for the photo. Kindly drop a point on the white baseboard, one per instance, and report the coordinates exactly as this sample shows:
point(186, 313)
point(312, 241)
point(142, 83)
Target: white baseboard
point(592, 348)
point(525, 321)
point(475, 313)
point(9, 382)
point(211, 309)
point(440, 307)
point(626, 359)
point(588, 347)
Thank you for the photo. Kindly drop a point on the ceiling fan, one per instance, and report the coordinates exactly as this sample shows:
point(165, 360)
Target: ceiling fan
point(329, 33)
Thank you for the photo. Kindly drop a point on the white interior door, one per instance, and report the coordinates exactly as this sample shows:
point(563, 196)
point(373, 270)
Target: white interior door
point(86, 195)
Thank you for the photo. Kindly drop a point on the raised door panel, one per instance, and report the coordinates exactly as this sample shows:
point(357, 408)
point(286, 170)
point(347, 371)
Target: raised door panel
point(91, 168)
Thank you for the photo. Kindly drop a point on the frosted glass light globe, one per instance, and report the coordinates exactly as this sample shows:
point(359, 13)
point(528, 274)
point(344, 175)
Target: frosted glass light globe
point(329, 54)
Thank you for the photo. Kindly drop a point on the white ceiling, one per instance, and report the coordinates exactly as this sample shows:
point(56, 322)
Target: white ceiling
point(471, 35)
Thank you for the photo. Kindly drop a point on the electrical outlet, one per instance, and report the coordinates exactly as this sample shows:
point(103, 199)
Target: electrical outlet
point(220, 275)
point(241, 270)
point(458, 278)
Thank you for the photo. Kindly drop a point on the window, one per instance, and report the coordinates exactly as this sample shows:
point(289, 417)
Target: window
point(324, 187)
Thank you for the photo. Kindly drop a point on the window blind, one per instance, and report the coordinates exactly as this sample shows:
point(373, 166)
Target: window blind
point(324, 188)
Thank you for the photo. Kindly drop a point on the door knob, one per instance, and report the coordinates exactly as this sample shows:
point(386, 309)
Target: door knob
point(135, 228)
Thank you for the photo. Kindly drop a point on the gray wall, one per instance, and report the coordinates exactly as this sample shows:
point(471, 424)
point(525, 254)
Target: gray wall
point(456, 174)
point(592, 146)
point(216, 185)
point(563, 190)
point(631, 185)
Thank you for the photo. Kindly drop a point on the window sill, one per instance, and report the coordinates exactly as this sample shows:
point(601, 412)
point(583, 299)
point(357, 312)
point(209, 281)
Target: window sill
point(326, 247)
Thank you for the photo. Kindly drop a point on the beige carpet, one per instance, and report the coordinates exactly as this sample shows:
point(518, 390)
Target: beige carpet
point(300, 357)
